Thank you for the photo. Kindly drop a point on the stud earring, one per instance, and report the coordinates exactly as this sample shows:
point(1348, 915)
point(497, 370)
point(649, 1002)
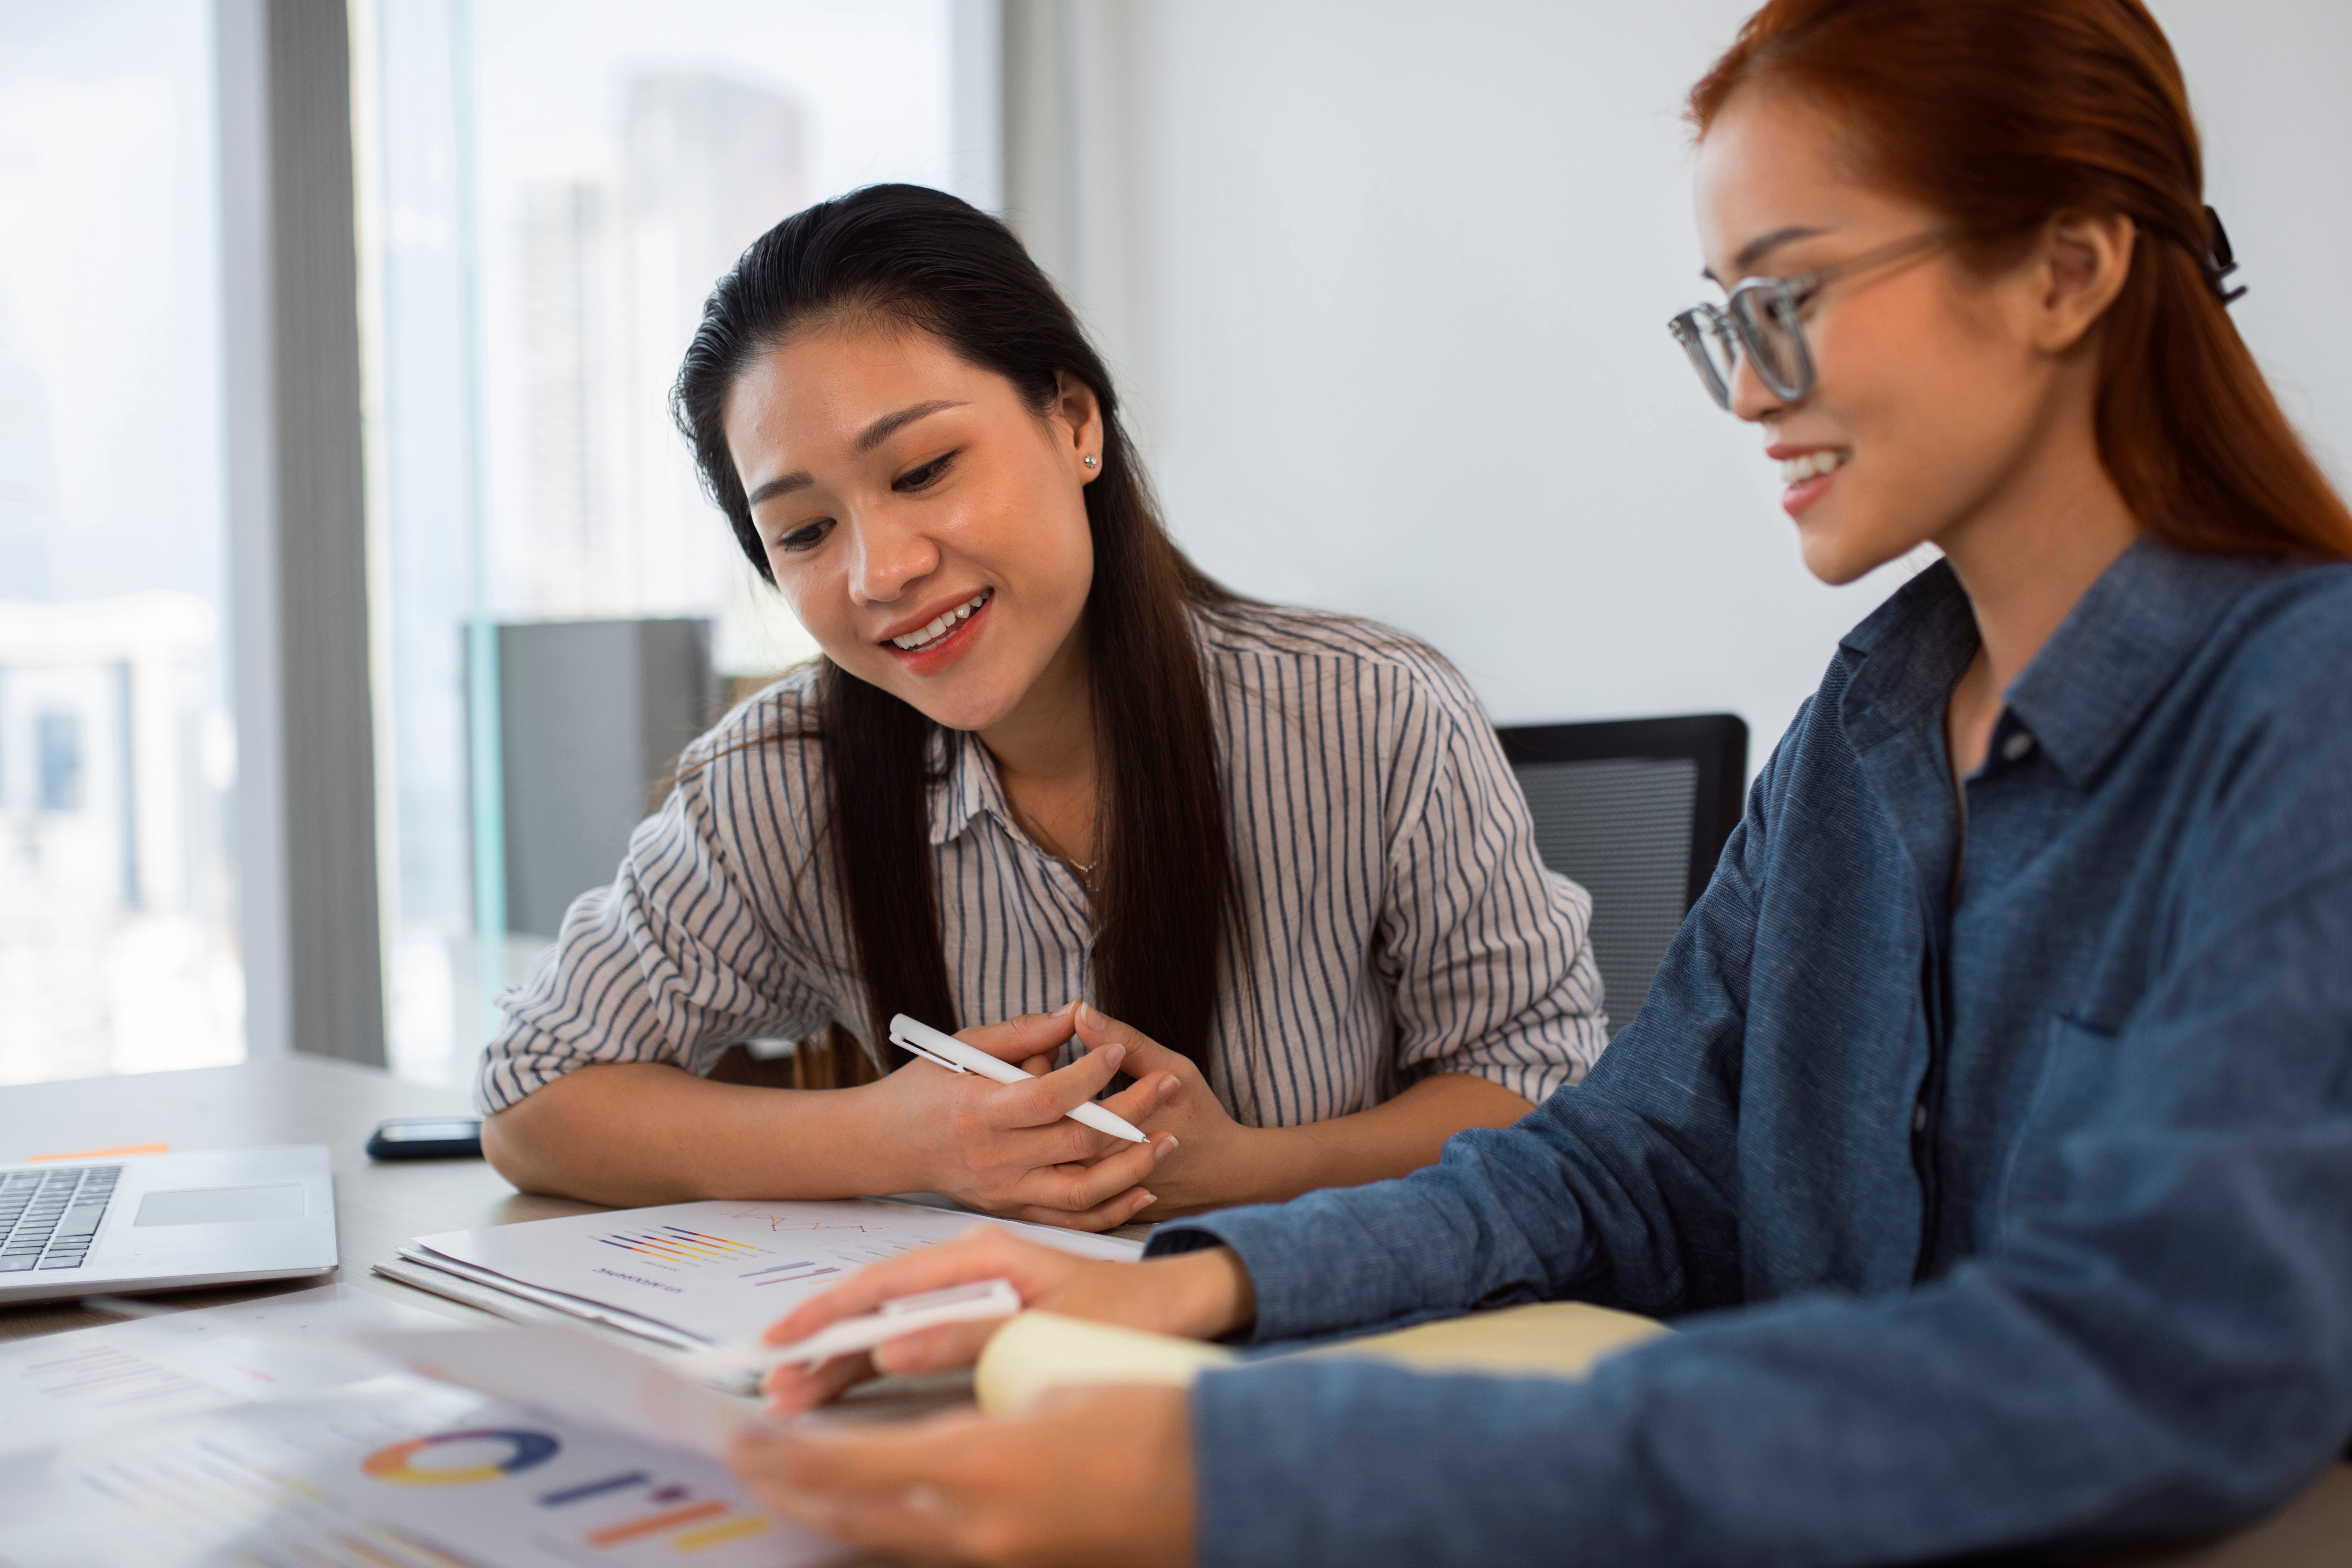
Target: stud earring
point(1091, 461)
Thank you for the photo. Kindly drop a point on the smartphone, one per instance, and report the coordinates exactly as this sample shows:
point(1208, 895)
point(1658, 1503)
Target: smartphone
point(426, 1138)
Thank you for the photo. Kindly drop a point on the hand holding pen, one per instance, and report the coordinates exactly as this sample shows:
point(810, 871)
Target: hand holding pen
point(999, 1137)
point(945, 1050)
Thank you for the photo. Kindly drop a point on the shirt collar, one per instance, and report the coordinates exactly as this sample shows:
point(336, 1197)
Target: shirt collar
point(964, 775)
point(966, 784)
point(1907, 654)
point(2090, 685)
point(2120, 646)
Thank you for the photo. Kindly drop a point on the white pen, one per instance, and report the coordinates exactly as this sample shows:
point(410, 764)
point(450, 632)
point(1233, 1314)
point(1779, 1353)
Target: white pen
point(972, 1303)
point(956, 1057)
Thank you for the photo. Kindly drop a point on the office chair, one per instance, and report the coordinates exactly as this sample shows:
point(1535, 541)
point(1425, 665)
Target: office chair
point(1635, 811)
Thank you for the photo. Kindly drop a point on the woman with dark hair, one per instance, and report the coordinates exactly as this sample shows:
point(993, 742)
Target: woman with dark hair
point(1988, 1128)
point(1046, 775)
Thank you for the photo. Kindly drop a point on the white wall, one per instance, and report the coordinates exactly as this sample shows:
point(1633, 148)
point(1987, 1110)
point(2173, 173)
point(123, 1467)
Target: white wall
point(1392, 306)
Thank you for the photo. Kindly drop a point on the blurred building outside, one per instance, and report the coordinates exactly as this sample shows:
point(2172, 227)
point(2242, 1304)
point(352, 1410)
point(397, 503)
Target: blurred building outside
point(117, 918)
point(552, 196)
point(118, 896)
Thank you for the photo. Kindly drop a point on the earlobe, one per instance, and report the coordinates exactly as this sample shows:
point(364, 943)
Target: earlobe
point(2087, 262)
point(1081, 411)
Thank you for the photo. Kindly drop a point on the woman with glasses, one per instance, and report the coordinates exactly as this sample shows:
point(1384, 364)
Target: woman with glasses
point(1987, 1131)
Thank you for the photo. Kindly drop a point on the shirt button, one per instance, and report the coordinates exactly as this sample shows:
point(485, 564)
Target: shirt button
point(2017, 745)
point(1919, 1118)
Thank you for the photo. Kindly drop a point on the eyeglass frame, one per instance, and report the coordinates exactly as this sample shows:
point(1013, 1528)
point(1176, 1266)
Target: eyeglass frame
point(1729, 321)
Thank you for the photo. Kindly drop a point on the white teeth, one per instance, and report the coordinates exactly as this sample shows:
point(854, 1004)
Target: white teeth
point(943, 623)
point(1798, 469)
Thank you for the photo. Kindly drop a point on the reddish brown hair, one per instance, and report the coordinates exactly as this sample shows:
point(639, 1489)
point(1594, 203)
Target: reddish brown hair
point(2002, 114)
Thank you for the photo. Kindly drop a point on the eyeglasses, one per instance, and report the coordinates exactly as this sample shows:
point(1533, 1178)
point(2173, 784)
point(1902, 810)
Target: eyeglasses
point(1761, 319)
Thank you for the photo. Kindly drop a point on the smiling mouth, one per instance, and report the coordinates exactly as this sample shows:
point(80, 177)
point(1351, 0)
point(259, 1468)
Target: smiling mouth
point(1812, 465)
point(942, 626)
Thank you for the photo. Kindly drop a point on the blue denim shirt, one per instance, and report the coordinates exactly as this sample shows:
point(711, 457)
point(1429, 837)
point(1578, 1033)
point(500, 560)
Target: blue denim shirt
point(1996, 1171)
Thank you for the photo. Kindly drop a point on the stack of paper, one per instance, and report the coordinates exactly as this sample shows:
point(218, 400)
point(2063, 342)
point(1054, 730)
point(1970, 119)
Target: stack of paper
point(689, 1276)
point(283, 1432)
point(58, 1387)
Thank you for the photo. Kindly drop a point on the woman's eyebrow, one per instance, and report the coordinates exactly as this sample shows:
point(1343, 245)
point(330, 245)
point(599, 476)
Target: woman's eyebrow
point(873, 435)
point(882, 429)
point(782, 485)
point(1763, 244)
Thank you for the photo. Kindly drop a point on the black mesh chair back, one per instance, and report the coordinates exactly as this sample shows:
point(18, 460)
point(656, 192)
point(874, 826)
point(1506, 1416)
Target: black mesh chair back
point(1636, 812)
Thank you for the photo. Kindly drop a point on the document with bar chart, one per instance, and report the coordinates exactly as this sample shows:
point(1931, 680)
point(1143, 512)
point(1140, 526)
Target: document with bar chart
point(714, 1271)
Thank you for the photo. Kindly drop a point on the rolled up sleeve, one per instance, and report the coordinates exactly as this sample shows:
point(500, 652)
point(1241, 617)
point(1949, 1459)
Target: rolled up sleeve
point(670, 963)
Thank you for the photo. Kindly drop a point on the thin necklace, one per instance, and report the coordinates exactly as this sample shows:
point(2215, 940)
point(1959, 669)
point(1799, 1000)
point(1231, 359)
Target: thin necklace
point(1050, 845)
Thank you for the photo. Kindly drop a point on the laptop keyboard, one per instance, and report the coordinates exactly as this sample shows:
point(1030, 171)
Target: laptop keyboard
point(49, 1218)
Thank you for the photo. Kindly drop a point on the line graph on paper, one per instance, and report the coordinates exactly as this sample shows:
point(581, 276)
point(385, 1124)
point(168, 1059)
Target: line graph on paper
point(851, 1241)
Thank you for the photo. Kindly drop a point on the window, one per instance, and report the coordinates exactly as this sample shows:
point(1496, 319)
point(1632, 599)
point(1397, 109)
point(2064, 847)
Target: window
point(550, 189)
point(118, 930)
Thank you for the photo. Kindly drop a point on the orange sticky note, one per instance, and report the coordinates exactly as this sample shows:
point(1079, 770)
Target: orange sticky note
point(102, 1154)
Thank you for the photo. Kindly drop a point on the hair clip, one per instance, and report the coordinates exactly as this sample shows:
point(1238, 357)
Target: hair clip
point(2220, 260)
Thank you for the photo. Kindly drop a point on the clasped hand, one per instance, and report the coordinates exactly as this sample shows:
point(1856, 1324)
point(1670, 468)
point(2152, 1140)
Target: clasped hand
point(1011, 1149)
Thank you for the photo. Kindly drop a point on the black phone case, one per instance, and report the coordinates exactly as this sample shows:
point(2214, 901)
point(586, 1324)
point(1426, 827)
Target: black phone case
point(379, 1147)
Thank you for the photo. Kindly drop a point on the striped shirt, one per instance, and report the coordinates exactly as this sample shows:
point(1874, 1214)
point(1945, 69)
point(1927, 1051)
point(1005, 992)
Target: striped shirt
point(1400, 921)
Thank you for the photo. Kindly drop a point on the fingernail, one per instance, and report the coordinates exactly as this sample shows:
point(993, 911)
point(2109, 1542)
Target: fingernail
point(1068, 1006)
point(1114, 1054)
point(1167, 1087)
point(1089, 1017)
point(1161, 1151)
point(1149, 1199)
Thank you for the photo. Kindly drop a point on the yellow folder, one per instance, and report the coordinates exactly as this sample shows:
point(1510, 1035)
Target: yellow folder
point(1038, 1351)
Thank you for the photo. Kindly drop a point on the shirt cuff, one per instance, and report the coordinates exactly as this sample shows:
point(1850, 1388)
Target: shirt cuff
point(1322, 1264)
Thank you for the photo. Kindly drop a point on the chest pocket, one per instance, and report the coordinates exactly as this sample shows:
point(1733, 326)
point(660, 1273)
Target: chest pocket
point(2079, 1093)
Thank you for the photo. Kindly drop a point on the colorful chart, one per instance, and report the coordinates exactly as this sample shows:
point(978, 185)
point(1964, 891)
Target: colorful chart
point(524, 1450)
point(675, 1243)
point(389, 1472)
point(691, 1523)
point(688, 1520)
point(720, 1270)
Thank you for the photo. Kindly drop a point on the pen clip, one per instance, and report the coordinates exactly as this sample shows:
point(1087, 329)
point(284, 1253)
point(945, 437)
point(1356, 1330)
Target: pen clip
point(899, 1037)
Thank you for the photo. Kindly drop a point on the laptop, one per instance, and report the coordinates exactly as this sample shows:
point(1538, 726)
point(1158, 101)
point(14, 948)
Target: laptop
point(165, 1222)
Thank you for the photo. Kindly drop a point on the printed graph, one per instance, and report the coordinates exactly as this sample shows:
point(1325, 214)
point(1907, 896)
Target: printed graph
point(850, 1241)
point(675, 1243)
point(416, 1477)
point(606, 1512)
point(110, 1377)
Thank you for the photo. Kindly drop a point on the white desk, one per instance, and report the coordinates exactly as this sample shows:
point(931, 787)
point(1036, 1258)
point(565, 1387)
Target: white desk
point(378, 1207)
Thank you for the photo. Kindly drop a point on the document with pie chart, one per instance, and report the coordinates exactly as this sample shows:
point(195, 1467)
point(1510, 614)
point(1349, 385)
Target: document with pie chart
point(713, 1272)
point(394, 1473)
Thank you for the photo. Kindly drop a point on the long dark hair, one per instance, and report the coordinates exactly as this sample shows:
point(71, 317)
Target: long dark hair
point(1165, 893)
point(2003, 113)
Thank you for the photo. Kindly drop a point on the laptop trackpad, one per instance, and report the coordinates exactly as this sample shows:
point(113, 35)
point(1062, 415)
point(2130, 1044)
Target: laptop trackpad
point(221, 1205)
